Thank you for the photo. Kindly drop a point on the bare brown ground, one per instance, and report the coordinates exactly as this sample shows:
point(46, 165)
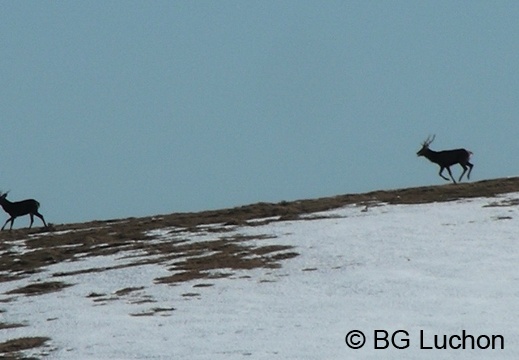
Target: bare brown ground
point(194, 260)
point(220, 256)
point(10, 349)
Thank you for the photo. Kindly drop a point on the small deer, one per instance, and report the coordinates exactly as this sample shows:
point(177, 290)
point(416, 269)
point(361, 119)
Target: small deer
point(447, 158)
point(20, 208)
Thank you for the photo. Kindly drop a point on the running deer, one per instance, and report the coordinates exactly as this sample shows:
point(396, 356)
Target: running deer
point(446, 158)
point(20, 208)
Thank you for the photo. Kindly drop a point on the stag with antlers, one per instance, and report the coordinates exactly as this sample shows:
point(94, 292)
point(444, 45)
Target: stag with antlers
point(20, 208)
point(446, 158)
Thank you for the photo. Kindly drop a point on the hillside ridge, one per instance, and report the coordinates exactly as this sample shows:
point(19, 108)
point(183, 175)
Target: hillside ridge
point(292, 209)
point(196, 248)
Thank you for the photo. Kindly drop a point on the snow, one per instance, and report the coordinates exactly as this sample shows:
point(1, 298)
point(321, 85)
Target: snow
point(429, 269)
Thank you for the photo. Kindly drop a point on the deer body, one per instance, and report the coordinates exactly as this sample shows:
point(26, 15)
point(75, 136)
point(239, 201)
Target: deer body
point(20, 208)
point(446, 158)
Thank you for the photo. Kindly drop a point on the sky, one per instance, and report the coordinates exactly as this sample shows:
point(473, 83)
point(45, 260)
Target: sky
point(114, 109)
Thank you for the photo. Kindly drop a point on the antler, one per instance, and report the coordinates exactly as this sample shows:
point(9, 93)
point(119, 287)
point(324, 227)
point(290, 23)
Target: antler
point(429, 140)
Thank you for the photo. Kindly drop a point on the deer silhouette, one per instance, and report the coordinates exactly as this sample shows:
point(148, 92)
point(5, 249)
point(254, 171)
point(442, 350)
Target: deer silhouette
point(446, 158)
point(20, 208)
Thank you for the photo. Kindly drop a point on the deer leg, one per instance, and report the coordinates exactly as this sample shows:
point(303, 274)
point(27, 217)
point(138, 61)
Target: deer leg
point(41, 217)
point(464, 170)
point(450, 173)
point(470, 169)
point(441, 171)
point(6, 223)
point(32, 220)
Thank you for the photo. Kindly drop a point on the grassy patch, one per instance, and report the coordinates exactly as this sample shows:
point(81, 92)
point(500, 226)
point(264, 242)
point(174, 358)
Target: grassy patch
point(10, 347)
point(40, 288)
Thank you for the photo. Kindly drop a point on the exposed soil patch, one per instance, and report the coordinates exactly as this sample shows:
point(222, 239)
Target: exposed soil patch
point(188, 260)
point(504, 203)
point(202, 246)
point(155, 311)
point(10, 326)
point(40, 288)
point(10, 348)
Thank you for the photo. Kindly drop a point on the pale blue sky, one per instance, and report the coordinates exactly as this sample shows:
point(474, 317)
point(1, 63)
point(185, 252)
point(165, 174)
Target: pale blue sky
point(113, 109)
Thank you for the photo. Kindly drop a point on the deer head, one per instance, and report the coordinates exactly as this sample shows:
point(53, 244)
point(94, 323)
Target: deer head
point(425, 145)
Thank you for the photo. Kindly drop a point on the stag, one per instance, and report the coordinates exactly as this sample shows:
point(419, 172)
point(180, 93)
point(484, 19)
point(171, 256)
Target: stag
point(20, 208)
point(446, 158)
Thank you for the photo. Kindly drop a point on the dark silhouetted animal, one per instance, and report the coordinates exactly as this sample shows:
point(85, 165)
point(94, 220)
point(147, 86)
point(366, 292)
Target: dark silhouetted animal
point(20, 208)
point(446, 158)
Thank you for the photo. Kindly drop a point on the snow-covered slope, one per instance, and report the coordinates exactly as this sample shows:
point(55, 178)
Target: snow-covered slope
point(440, 271)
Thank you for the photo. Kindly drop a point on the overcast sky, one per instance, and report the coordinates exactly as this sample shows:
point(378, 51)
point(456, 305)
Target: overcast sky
point(113, 109)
